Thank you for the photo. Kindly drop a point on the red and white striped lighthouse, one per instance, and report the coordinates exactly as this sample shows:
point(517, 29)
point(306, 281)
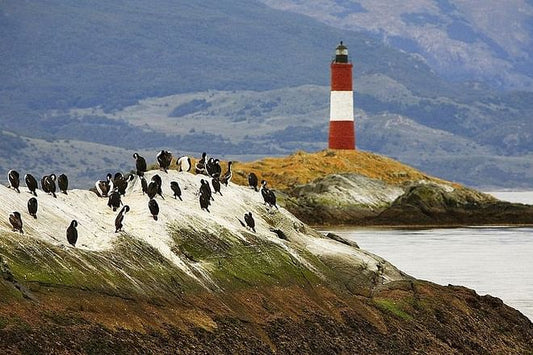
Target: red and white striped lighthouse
point(341, 122)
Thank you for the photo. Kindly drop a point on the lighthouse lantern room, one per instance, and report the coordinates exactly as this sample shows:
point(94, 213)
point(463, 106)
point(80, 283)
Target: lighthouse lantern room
point(341, 121)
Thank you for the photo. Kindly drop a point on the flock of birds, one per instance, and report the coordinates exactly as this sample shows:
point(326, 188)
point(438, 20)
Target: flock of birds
point(114, 187)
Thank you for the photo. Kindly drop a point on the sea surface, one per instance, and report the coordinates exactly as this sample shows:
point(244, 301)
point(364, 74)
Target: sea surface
point(491, 260)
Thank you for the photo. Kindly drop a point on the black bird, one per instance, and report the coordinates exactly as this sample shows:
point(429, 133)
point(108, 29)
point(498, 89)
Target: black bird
point(227, 175)
point(200, 165)
point(144, 185)
point(43, 184)
point(156, 179)
point(140, 164)
point(210, 167)
point(120, 218)
point(204, 201)
point(14, 179)
point(62, 183)
point(114, 200)
point(250, 222)
point(164, 158)
point(184, 163)
point(154, 208)
point(252, 181)
point(32, 207)
point(279, 233)
point(72, 233)
point(214, 170)
point(151, 190)
point(121, 183)
point(206, 189)
point(104, 187)
point(216, 185)
point(16, 221)
point(31, 183)
point(176, 189)
point(268, 195)
point(49, 184)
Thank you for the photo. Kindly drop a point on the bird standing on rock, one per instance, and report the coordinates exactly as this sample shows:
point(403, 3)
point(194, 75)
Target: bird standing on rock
point(225, 179)
point(216, 186)
point(62, 183)
point(14, 180)
point(184, 164)
point(16, 222)
point(114, 201)
point(175, 187)
point(48, 183)
point(140, 164)
point(164, 159)
point(120, 218)
point(31, 183)
point(32, 207)
point(200, 165)
point(72, 233)
point(154, 208)
point(252, 181)
point(269, 197)
point(250, 222)
point(104, 187)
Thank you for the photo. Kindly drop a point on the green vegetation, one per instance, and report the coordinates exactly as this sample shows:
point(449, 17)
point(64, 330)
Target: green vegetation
point(392, 306)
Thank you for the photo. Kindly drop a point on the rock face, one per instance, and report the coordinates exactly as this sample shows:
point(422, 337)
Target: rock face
point(199, 282)
point(359, 188)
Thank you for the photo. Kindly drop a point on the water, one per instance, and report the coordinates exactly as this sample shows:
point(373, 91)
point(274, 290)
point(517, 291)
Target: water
point(495, 260)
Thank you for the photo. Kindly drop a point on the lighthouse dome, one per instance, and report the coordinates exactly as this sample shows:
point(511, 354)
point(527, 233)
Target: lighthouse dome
point(341, 53)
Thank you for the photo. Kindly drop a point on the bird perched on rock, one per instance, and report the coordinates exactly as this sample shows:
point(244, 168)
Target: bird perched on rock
point(114, 201)
point(252, 181)
point(14, 180)
point(204, 201)
point(155, 185)
point(154, 208)
point(175, 187)
point(184, 164)
point(16, 221)
point(62, 183)
point(120, 218)
point(144, 185)
point(104, 187)
point(121, 183)
point(216, 186)
point(200, 165)
point(32, 207)
point(140, 164)
point(72, 233)
point(164, 158)
point(205, 189)
point(269, 197)
point(48, 183)
point(225, 179)
point(249, 221)
point(31, 183)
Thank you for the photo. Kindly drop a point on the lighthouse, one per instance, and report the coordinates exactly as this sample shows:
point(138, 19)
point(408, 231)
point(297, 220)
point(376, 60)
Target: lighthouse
point(341, 122)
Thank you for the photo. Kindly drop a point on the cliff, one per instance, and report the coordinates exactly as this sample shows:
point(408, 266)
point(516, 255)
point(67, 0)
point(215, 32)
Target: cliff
point(199, 282)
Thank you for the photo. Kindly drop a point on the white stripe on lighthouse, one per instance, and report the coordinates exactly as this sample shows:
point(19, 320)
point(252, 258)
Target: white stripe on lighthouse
point(341, 106)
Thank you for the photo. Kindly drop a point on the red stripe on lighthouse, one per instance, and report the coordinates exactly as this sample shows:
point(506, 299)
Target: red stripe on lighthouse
point(341, 135)
point(341, 76)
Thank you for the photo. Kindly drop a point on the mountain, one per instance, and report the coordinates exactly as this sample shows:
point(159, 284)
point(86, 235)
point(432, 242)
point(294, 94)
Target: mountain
point(485, 41)
point(199, 282)
point(241, 79)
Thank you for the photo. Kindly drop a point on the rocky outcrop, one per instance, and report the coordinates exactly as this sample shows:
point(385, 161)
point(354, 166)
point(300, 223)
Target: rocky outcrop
point(431, 204)
point(199, 282)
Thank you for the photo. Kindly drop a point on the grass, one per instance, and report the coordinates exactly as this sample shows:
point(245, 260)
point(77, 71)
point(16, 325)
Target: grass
point(392, 307)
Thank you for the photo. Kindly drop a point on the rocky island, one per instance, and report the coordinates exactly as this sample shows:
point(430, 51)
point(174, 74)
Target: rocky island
point(352, 187)
point(200, 282)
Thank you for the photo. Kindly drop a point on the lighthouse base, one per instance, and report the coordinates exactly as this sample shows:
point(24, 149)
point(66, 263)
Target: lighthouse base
point(341, 135)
